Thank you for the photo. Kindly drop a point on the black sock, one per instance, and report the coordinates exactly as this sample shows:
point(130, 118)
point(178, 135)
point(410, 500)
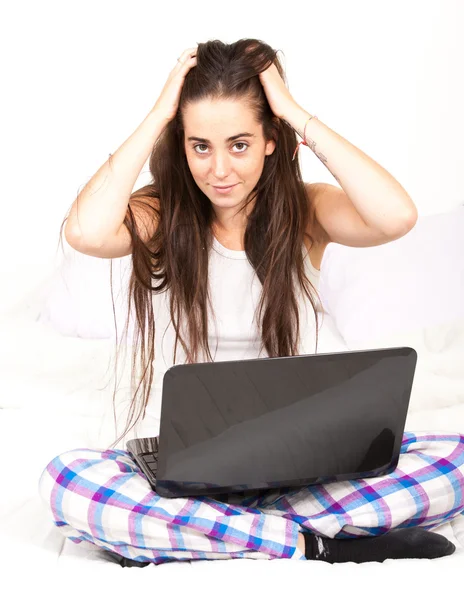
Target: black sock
point(123, 561)
point(412, 542)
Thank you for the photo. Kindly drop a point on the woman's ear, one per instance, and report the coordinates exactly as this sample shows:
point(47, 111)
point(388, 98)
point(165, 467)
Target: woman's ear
point(271, 144)
point(270, 147)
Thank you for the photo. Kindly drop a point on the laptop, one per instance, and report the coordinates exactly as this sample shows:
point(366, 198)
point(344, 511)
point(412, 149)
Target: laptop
point(235, 427)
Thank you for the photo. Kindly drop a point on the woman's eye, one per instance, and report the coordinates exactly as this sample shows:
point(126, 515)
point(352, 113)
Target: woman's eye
point(198, 146)
point(205, 146)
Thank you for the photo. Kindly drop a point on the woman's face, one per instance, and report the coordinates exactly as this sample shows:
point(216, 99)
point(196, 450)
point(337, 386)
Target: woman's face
point(215, 160)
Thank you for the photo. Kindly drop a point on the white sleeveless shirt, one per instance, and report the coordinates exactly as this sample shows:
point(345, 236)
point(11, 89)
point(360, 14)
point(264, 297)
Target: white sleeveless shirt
point(233, 333)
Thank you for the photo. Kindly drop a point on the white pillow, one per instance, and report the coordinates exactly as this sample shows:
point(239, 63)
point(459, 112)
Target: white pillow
point(76, 301)
point(417, 280)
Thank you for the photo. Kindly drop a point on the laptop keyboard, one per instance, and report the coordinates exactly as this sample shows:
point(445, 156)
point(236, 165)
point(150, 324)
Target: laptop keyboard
point(151, 460)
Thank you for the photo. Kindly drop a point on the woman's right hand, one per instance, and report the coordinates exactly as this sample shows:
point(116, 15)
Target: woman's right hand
point(168, 101)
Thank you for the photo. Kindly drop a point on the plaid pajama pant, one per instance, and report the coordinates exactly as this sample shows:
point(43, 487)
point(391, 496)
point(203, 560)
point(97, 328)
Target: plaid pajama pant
point(102, 497)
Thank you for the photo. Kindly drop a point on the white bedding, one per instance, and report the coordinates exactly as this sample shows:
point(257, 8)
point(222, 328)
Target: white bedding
point(51, 403)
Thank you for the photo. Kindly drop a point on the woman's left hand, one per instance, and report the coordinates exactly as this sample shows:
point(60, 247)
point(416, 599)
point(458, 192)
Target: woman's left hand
point(279, 98)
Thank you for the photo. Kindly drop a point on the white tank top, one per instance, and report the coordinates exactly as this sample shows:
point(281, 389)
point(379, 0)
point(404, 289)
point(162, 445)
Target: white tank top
point(235, 290)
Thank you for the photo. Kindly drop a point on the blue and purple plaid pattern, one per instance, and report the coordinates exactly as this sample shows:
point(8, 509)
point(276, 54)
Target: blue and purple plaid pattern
point(102, 497)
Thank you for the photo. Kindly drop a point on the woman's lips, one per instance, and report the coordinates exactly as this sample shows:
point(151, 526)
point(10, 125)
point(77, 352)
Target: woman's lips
point(225, 190)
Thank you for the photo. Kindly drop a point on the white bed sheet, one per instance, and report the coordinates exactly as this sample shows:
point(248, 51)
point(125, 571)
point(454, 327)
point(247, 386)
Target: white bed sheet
point(49, 407)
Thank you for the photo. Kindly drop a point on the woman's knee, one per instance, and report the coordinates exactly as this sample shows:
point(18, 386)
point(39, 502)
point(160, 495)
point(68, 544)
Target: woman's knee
point(57, 468)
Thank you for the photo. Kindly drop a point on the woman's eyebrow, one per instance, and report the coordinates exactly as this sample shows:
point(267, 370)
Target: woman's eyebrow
point(229, 139)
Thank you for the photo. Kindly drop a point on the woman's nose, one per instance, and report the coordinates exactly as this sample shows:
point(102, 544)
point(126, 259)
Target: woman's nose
point(220, 167)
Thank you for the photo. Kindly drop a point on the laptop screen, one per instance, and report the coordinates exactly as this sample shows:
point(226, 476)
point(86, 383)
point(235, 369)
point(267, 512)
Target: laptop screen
point(287, 421)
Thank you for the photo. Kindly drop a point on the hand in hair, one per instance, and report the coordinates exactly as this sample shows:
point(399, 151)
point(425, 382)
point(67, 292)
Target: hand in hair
point(279, 98)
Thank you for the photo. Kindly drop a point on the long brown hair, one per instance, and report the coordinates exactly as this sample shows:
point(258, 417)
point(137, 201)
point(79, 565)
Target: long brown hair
point(175, 259)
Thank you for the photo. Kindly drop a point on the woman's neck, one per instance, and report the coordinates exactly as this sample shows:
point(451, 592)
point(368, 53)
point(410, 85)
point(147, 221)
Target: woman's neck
point(233, 239)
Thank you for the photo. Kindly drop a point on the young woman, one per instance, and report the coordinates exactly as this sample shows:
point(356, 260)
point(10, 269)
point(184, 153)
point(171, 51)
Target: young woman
point(248, 254)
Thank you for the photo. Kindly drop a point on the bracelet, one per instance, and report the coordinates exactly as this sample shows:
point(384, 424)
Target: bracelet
point(304, 137)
